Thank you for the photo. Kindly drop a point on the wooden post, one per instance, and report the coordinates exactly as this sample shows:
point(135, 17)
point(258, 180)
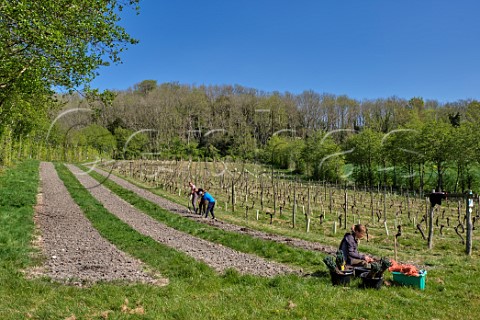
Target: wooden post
point(308, 199)
point(430, 227)
point(408, 204)
point(371, 205)
point(427, 202)
point(261, 193)
point(246, 186)
point(384, 203)
point(354, 193)
point(274, 194)
point(294, 204)
point(353, 212)
point(233, 195)
point(395, 248)
point(330, 206)
point(325, 190)
point(469, 209)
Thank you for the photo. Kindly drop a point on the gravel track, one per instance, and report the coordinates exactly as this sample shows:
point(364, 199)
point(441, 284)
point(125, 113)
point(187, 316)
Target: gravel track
point(215, 255)
point(179, 209)
point(75, 253)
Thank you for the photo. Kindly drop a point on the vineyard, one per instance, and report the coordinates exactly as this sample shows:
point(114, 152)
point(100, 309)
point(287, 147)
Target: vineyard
point(253, 195)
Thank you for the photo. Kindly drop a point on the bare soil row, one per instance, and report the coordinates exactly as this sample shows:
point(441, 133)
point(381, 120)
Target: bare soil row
point(74, 252)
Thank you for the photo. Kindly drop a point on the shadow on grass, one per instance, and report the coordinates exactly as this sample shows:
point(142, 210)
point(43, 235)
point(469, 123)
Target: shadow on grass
point(318, 274)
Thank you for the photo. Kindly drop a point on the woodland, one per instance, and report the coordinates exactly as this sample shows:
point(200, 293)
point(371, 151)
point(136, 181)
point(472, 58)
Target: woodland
point(393, 142)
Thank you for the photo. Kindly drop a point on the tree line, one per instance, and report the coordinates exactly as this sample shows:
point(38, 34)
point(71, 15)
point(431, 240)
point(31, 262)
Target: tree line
point(413, 143)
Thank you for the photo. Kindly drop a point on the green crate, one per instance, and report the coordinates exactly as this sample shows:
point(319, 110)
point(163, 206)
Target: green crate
point(418, 282)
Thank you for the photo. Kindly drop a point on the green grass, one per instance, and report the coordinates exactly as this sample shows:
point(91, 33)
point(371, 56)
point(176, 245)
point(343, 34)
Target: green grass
point(195, 291)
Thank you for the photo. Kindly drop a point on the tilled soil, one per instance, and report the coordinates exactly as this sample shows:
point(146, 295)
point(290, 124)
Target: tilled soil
point(215, 255)
point(75, 253)
point(179, 209)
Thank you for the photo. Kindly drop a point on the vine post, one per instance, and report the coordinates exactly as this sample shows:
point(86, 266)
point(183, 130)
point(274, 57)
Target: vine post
point(469, 209)
point(294, 204)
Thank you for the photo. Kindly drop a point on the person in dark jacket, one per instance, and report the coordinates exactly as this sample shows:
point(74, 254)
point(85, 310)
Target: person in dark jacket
point(202, 206)
point(349, 246)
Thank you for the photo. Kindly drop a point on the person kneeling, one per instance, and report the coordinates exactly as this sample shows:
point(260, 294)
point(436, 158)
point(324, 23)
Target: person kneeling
point(349, 247)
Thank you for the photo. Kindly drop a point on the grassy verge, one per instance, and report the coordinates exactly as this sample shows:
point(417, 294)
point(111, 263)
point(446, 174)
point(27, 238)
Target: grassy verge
point(18, 189)
point(195, 291)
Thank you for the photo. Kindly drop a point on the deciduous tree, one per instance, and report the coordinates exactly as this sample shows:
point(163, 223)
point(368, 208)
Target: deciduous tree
point(50, 44)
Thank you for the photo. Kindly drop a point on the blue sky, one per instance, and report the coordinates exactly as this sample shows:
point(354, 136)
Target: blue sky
point(364, 49)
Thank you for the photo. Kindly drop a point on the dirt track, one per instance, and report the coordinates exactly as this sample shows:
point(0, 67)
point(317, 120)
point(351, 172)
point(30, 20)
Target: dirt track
point(74, 251)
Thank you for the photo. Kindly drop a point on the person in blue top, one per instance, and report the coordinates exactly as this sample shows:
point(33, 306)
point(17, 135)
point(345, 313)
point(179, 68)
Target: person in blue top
point(211, 202)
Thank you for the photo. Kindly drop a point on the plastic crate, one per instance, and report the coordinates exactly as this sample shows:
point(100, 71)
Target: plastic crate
point(418, 282)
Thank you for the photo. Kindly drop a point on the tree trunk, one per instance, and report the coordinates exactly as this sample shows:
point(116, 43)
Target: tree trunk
point(457, 179)
point(439, 178)
point(420, 169)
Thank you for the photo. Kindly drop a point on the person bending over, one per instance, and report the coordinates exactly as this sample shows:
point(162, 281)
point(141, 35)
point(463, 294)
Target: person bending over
point(211, 204)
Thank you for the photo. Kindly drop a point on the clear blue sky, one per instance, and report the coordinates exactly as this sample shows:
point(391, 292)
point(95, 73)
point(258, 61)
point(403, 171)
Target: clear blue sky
point(361, 48)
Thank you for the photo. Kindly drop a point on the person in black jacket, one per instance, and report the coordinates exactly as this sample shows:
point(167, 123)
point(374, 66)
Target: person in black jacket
point(349, 246)
point(202, 206)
